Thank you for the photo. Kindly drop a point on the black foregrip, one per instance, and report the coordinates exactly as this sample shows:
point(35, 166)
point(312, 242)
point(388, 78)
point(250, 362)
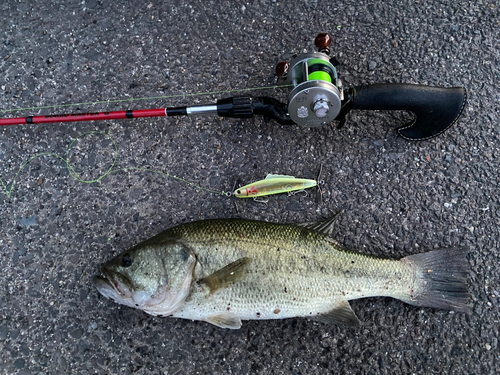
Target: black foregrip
point(435, 108)
point(272, 108)
point(245, 107)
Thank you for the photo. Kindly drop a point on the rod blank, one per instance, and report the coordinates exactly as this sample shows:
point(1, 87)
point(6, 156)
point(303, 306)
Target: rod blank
point(88, 116)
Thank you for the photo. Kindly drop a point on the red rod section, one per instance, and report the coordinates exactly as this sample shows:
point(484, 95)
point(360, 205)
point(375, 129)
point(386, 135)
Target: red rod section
point(90, 116)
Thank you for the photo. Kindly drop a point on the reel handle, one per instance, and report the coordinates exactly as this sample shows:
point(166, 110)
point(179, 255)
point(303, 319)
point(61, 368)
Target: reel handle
point(435, 108)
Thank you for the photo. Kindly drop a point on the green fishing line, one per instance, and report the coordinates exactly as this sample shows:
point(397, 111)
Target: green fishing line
point(145, 98)
point(77, 176)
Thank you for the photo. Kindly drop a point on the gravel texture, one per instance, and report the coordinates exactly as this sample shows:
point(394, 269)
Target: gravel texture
point(398, 197)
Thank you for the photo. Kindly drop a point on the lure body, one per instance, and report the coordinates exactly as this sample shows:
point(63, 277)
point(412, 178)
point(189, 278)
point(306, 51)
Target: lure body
point(274, 184)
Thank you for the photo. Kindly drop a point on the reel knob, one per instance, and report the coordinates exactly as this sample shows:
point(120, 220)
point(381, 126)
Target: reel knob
point(323, 42)
point(282, 69)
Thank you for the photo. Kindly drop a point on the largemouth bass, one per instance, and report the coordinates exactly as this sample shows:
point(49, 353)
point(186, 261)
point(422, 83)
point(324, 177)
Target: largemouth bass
point(226, 271)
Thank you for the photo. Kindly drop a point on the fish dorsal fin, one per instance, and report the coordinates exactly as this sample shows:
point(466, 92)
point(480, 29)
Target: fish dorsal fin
point(324, 227)
point(230, 321)
point(269, 176)
point(342, 315)
point(226, 276)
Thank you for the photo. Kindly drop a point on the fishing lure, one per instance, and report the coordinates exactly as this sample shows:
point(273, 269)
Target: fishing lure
point(274, 184)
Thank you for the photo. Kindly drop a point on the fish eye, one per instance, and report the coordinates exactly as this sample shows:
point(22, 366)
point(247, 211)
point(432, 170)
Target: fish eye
point(126, 260)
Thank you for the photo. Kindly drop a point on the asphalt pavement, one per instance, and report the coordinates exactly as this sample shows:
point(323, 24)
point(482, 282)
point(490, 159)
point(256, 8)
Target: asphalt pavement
point(397, 197)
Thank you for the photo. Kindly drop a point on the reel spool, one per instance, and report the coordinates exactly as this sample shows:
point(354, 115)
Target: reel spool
point(316, 98)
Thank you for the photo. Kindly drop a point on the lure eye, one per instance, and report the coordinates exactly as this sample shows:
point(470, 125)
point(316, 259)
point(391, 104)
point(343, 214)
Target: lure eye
point(126, 260)
point(238, 191)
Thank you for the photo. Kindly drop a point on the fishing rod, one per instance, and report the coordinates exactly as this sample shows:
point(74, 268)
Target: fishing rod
point(317, 99)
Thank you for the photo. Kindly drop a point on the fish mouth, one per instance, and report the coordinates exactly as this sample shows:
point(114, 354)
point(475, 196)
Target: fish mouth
point(116, 287)
point(111, 285)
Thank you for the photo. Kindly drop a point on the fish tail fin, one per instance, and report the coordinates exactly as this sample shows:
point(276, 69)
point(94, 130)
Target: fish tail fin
point(442, 276)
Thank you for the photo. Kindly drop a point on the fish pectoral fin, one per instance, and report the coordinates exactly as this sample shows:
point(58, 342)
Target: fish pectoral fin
point(342, 315)
point(226, 276)
point(230, 321)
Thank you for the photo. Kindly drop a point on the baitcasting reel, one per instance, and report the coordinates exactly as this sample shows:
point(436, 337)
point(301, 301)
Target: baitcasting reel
point(317, 99)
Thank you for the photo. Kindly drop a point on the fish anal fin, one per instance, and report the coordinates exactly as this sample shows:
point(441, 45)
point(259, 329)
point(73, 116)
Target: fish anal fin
point(226, 276)
point(230, 321)
point(341, 315)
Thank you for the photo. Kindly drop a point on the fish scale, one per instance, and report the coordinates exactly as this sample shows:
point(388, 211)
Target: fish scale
point(307, 265)
point(228, 270)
